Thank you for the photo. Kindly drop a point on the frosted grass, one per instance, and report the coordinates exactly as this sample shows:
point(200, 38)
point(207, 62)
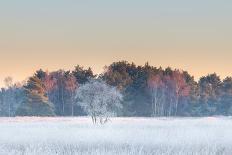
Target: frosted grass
point(129, 136)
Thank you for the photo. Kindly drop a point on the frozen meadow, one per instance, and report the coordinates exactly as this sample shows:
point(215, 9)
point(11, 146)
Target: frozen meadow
point(121, 136)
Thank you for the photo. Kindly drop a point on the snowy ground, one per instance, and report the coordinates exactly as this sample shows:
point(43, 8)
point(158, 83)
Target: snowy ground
point(129, 136)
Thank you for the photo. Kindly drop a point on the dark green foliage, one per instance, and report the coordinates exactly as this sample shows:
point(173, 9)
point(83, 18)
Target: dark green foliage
point(132, 81)
point(225, 108)
point(52, 93)
point(82, 75)
point(35, 102)
point(205, 98)
point(40, 74)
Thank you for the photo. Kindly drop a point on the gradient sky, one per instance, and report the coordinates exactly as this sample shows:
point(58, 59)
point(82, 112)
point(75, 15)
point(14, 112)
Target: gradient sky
point(50, 34)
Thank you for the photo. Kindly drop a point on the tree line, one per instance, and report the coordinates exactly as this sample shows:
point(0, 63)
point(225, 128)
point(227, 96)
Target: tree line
point(144, 91)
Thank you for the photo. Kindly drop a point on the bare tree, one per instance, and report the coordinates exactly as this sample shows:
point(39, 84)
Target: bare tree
point(99, 100)
point(71, 86)
point(176, 88)
point(156, 88)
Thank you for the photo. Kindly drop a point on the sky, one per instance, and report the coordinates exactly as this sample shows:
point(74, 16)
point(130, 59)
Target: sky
point(58, 34)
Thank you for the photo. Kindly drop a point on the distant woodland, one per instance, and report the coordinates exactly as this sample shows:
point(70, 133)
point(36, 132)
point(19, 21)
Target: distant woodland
point(147, 91)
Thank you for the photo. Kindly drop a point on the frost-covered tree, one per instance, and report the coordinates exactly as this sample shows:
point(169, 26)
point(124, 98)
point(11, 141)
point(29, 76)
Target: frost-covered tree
point(99, 100)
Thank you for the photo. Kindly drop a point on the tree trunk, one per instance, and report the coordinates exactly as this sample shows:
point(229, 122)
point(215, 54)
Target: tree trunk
point(9, 102)
point(72, 104)
point(72, 110)
point(94, 118)
point(176, 105)
point(152, 106)
point(62, 97)
point(9, 112)
point(170, 108)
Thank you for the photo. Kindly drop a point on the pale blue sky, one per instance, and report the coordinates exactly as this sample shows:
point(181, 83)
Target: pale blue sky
point(51, 34)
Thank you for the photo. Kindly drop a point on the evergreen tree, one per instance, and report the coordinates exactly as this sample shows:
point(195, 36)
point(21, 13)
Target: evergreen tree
point(210, 93)
point(225, 108)
point(35, 102)
point(82, 75)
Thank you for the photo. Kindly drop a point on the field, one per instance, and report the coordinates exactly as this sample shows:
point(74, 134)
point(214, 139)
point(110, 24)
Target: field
point(129, 136)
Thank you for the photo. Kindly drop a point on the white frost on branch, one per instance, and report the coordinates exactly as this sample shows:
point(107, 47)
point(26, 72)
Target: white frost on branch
point(99, 100)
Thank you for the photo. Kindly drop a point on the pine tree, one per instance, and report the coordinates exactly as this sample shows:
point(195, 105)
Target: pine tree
point(35, 101)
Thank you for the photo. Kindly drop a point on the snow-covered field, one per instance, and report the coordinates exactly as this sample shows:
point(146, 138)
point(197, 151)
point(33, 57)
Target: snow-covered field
point(133, 136)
